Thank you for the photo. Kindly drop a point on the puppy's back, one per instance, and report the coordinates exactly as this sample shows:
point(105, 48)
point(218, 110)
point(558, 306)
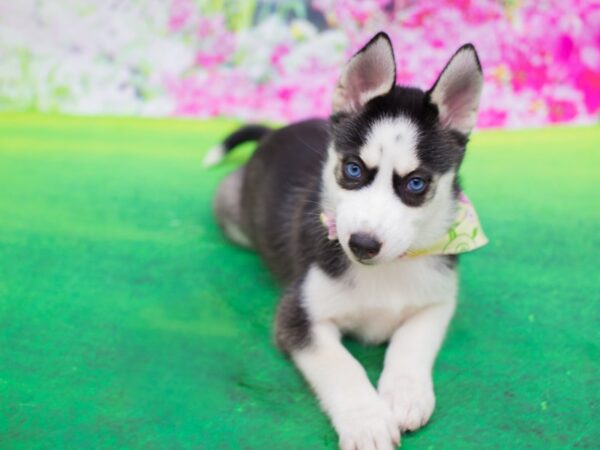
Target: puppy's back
point(281, 189)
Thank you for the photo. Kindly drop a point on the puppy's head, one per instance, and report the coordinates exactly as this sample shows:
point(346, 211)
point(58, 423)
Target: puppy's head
point(390, 180)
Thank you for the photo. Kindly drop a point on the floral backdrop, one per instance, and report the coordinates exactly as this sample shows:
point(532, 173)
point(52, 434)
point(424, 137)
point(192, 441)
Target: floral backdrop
point(279, 60)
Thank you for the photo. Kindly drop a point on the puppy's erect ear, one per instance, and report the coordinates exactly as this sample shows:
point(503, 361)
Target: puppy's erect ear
point(369, 74)
point(457, 90)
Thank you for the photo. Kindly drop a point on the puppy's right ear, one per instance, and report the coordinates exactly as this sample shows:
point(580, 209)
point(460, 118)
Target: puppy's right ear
point(370, 73)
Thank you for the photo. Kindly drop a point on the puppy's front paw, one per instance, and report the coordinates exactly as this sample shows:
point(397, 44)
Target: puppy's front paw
point(367, 426)
point(410, 398)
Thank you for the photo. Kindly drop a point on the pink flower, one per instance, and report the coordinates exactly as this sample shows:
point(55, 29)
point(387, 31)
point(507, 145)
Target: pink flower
point(180, 14)
point(278, 54)
point(589, 83)
point(208, 60)
point(561, 110)
point(492, 118)
point(541, 59)
point(527, 74)
point(564, 48)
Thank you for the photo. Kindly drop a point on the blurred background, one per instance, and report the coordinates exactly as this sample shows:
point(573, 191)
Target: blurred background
point(127, 320)
point(279, 60)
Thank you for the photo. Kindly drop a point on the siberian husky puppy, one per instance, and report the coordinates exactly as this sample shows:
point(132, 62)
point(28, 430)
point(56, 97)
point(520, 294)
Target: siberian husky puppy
point(343, 212)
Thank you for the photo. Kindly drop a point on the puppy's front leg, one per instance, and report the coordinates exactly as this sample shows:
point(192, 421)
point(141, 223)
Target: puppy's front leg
point(406, 382)
point(361, 418)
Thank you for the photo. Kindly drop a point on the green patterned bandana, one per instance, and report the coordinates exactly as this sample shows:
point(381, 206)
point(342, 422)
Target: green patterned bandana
point(465, 234)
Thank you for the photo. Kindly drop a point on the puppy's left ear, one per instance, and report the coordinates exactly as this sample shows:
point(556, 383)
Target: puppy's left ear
point(457, 91)
point(370, 73)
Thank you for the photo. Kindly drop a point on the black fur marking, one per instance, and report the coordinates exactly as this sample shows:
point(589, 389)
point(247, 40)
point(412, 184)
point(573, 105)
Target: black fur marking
point(438, 149)
point(456, 187)
point(281, 202)
point(368, 175)
point(411, 198)
point(448, 262)
point(292, 325)
point(244, 134)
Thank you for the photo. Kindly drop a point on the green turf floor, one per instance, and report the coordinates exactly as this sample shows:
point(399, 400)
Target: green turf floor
point(127, 321)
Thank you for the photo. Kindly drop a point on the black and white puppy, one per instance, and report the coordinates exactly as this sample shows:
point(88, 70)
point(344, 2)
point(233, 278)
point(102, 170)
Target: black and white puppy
point(382, 175)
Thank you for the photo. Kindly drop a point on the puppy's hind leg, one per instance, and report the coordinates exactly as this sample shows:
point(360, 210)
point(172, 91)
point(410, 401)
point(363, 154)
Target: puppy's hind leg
point(228, 208)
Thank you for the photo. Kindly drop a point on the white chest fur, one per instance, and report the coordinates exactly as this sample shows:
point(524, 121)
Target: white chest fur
point(370, 302)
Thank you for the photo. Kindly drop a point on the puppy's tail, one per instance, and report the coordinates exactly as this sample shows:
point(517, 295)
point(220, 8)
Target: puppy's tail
point(245, 134)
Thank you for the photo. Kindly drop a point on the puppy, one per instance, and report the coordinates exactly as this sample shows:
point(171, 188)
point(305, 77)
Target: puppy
point(355, 216)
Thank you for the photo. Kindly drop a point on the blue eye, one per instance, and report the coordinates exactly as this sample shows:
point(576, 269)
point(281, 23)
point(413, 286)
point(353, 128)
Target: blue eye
point(416, 185)
point(352, 170)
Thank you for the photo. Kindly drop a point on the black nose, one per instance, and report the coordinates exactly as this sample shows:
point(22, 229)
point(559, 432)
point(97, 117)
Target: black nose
point(364, 246)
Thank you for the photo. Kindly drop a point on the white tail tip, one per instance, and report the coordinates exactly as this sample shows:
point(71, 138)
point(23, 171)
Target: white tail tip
point(214, 156)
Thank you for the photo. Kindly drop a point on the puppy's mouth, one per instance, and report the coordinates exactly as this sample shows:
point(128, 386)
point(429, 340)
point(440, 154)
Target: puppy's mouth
point(374, 262)
point(363, 261)
point(366, 262)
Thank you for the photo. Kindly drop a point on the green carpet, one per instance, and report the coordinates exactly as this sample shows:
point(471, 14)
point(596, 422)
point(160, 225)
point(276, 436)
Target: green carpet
point(127, 321)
